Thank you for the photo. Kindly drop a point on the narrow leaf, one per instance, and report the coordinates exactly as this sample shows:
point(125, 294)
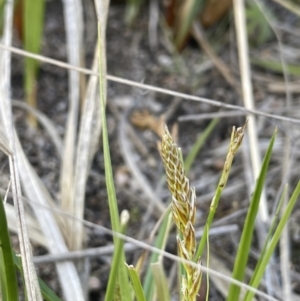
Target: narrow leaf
point(8, 278)
point(259, 269)
point(47, 293)
point(246, 239)
point(112, 200)
point(276, 66)
point(148, 284)
point(136, 283)
point(33, 28)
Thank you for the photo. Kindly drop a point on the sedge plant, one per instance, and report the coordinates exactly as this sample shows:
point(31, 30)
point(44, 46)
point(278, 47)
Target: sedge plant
point(184, 209)
point(165, 225)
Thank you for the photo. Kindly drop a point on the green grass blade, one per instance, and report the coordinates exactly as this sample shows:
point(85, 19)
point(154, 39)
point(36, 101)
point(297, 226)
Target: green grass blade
point(198, 145)
point(276, 66)
point(136, 283)
point(2, 2)
point(272, 227)
point(33, 18)
point(117, 274)
point(259, 269)
point(124, 289)
point(47, 293)
point(160, 281)
point(112, 200)
point(148, 284)
point(246, 238)
point(8, 278)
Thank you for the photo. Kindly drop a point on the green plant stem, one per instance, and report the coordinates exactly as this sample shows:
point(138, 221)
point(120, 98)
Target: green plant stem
point(115, 281)
point(33, 17)
point(273, 224)
point(148, 284)
point(136, 283)
point(8, 278)
point(235, 142)
point(112, 200)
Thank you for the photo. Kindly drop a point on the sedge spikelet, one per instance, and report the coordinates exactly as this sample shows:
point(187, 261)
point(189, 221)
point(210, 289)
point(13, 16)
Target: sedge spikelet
point(183, 210)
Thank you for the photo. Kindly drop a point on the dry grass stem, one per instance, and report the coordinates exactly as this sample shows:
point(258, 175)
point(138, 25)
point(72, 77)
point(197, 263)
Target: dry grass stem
point(248, 98)
point(183, 210)
point(218, 62)
point(132, 83)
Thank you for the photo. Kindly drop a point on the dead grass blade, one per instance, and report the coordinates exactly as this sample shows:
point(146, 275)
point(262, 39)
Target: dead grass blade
point(28, 268)
point(34, 231)
point(240, 24)
point(290, 5)
point(89, 134)
point(74, 31)
point(31, 283)
point(35, 190)
point(220, 65)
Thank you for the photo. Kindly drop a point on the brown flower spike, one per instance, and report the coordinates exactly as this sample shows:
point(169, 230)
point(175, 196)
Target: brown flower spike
point(183, 210)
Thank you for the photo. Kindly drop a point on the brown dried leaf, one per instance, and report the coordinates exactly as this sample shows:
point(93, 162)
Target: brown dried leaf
point(146, 121)
point(214, 11)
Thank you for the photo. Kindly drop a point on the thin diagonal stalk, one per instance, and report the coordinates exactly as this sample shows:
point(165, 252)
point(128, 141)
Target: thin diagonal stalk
point(123, 81)
point(235, 142)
